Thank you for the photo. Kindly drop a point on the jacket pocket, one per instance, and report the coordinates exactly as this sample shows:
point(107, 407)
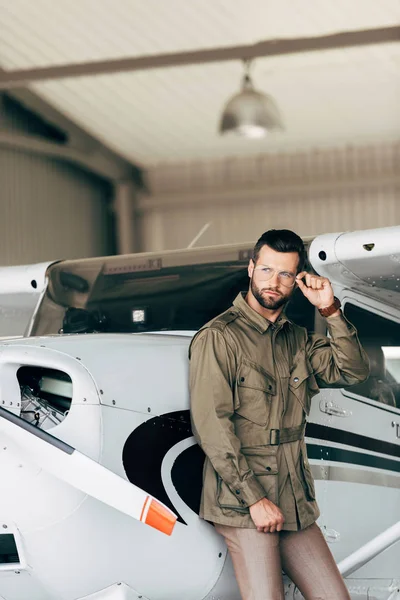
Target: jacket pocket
point(308, 480)
point(302, 382)
point(228, 500)
point(263, 462)
point(255, 387)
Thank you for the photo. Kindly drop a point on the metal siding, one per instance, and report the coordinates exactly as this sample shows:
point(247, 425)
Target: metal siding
point(319, 192)
point(49, 210)
point(307, 216)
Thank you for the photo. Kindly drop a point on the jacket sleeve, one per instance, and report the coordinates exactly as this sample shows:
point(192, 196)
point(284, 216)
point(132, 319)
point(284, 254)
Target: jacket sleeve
point(340, 360)
point(212, 377)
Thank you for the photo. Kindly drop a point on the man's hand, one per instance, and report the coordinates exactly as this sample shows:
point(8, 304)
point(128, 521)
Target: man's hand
point(318, 290)
point(266, 516)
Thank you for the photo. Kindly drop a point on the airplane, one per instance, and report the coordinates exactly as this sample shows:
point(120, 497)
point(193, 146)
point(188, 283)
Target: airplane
point(95, 424)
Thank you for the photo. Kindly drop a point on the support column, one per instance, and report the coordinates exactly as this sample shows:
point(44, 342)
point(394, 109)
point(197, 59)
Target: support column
point(124, 196)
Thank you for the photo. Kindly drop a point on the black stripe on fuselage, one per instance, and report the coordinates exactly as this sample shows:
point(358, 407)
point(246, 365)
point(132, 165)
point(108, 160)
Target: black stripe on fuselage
point(146, 447)
point(327, 453)
point(330, 434)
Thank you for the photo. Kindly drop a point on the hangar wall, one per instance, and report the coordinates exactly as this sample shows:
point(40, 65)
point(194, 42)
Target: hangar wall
point(319, 191)
point(49, 210)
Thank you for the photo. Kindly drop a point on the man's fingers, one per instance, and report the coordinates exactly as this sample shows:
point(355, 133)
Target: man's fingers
point(312, 282)
point(301, 285)
point(301, 275)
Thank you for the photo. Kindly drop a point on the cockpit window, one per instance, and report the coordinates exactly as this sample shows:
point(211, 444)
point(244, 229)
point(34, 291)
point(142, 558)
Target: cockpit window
point(136, 294)
point(380, 339)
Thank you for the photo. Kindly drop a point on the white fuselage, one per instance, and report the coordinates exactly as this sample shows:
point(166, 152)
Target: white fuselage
point(74, 545)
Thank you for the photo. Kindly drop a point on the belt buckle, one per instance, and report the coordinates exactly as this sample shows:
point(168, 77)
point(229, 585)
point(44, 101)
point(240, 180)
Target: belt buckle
point(275, 437)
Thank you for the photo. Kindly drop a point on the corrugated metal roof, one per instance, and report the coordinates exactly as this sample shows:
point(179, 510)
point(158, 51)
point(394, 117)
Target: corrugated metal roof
point(169, 114)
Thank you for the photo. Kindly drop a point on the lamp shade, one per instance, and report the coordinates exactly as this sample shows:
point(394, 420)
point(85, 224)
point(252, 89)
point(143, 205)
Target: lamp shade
point(250, 113)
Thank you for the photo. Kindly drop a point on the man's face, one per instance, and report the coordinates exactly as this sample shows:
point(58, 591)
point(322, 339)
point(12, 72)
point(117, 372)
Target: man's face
point(276, 291)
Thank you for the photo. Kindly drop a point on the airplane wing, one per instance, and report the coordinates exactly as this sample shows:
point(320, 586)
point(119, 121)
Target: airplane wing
point(73, 467)
point(367, 261)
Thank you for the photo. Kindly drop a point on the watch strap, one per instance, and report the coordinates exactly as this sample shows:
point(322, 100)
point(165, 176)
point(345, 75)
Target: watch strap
point(329, 310)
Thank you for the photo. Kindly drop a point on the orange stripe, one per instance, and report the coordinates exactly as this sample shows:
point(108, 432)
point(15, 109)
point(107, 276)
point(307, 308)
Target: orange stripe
point(144, 507)
point(160, 517)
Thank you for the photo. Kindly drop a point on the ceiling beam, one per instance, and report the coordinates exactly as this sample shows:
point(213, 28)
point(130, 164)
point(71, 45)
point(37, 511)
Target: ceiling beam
point(346, 39)
point(82, 149)
point(77, 137)
point(95, 161)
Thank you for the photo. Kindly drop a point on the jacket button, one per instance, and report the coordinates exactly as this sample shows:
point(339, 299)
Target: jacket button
point(242, 379)
point(267, 468)
point(243, 502)
point(238, 491)
point(296, 379)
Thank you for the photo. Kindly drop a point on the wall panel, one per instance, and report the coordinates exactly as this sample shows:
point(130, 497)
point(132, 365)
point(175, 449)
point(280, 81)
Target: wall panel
point(322, 191)
point(49, 210)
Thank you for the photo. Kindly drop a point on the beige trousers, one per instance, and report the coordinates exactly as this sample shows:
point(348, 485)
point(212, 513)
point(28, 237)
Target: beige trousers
point(259, 558)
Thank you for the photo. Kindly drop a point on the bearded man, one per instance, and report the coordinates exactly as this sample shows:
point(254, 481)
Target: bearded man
point(252, 376)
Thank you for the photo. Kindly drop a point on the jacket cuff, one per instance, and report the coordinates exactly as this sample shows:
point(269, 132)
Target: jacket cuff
point(339, 326)
point(249, 491)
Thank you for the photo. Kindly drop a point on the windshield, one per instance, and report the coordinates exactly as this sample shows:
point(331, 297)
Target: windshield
point(178, 291)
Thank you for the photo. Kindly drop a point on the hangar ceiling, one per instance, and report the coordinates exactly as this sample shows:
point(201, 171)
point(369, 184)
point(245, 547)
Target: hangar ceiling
point(326, 97)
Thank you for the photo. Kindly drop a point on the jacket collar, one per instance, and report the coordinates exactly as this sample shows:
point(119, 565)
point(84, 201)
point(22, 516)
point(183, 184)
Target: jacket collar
point(254, 318)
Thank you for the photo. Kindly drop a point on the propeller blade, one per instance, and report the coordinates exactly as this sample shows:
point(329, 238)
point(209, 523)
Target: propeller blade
point(73, 467)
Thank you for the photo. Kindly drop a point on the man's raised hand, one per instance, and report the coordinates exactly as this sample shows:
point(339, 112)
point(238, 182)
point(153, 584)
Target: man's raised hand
point(318, 290)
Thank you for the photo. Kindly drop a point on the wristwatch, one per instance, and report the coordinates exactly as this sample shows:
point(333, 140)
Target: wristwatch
point(329, 310)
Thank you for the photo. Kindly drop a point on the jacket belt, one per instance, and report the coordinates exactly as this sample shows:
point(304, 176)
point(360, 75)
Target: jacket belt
point(283, 436)
point(271, 437)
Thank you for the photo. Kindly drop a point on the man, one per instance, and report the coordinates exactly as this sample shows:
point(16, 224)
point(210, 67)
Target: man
point(252, 376)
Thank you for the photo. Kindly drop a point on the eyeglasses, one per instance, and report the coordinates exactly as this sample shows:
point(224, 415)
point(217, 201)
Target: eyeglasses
point(265, 273)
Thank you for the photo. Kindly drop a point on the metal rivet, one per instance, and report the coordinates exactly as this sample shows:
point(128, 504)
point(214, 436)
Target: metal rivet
point(267, 468)
point(242, 379)
point(149, 409)
point(238, 491)
point(84, 399)
point(219, 555)
point(77, 358)
point(113, 402)
point(296, 379)
point(101, 392)
point(4, 526)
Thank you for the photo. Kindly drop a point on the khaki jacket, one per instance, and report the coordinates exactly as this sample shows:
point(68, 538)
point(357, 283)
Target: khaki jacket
point(249, 378)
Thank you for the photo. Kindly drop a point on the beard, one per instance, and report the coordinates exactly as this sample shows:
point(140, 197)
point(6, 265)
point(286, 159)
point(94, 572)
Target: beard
point(269, 303)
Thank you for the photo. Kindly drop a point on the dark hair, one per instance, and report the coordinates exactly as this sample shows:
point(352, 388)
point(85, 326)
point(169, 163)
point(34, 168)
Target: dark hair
point(282, 240)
